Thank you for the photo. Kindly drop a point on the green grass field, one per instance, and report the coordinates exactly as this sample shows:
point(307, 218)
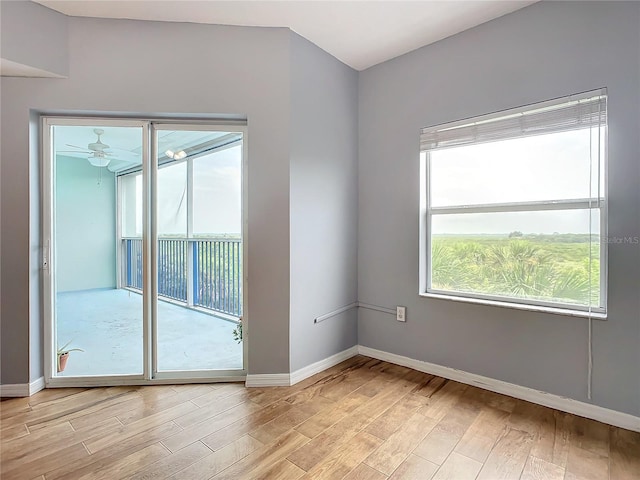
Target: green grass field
point(561, 268)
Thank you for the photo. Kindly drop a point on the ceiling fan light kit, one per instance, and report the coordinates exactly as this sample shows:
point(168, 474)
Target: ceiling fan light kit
point(176, 155)
point(101, 155)
point(97, 161)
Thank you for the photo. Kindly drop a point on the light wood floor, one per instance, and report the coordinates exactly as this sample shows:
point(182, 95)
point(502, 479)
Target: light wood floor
point(361, 420)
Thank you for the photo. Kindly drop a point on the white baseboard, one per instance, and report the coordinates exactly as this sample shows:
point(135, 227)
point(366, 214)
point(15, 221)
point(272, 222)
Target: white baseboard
point(36, 386)
point(288, 379)
point(569, 405)
point(268, 380)
point(317, 367)
point(22, 389)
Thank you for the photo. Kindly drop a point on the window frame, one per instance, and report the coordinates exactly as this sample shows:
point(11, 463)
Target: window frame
point(595, 203)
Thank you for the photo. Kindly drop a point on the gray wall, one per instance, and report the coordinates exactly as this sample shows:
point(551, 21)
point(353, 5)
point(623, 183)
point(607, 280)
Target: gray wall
point(34, 36)
point(121, 66)
point(85, 226)
point(547, 50)
point(323, 203)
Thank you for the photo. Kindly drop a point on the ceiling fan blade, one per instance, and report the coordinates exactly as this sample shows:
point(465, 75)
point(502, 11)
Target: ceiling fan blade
point(128, 161)
point(73, 151)
point(123, 150)
point(73, 154)
point(119, 152)
point(75, 146)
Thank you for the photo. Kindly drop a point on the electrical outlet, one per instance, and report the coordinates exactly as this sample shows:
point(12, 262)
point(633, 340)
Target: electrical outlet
point(401, 313)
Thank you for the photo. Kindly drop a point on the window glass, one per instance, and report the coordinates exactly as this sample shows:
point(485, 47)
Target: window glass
point(513, 205)
point(544, 255)
point(172, 200)
point(216, 193)
point(543, 167)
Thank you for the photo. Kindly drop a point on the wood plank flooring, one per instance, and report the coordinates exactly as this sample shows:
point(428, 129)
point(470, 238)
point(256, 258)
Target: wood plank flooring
point(361, 420)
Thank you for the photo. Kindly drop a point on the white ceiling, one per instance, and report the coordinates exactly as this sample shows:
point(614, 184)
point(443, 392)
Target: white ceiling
point(360, 33)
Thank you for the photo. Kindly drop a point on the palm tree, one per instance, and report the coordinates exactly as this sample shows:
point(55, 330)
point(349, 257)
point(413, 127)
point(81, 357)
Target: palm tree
point(519, 269)
point(515, 268)
point(448, 272)
point(573, 286)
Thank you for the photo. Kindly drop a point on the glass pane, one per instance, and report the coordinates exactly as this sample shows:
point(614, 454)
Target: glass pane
point(544, 255)
point(96, 310)
point(131, 204)
point(217, 183)
point(172, 200)
point(199, 250)
point(558, 166)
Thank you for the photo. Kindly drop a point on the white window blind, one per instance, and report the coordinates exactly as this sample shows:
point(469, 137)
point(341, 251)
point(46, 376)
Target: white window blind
point(568, 113)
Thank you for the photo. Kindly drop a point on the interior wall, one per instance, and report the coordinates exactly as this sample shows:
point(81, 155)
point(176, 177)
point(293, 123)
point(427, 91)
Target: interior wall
point(159, 68)
point(85, 226)
point(547, 50)
point(323, 203)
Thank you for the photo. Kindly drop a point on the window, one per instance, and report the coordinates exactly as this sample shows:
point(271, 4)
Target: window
point(513, 207)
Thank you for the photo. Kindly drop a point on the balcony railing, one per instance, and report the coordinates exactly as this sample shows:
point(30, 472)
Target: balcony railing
point(198, 272)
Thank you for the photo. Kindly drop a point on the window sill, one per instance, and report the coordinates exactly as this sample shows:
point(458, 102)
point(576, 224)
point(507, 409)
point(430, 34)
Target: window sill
point(518, 306)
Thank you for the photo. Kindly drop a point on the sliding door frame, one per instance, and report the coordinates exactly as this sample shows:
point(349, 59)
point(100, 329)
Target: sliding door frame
point(205, 127)
point(150, 375)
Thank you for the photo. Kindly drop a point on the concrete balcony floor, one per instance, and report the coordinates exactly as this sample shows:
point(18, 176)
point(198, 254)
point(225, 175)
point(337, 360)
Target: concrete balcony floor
point(107, 325)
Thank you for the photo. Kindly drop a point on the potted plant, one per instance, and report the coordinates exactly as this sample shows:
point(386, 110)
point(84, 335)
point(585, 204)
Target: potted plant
point(237, 332)
point(63, 355)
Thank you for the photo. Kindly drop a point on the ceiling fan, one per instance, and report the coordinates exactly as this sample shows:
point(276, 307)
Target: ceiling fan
point(100, 154)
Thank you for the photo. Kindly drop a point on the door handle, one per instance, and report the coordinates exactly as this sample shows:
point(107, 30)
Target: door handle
point(45, 256)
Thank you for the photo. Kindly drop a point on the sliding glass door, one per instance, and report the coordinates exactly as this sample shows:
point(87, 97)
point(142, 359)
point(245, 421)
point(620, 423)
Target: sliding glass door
point(143, 251)
point(96, 328)
point(198, 248)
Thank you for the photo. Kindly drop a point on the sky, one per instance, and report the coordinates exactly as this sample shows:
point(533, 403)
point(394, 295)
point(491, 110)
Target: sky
point(544, 167)
point(217, 196)
point(217, 207)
